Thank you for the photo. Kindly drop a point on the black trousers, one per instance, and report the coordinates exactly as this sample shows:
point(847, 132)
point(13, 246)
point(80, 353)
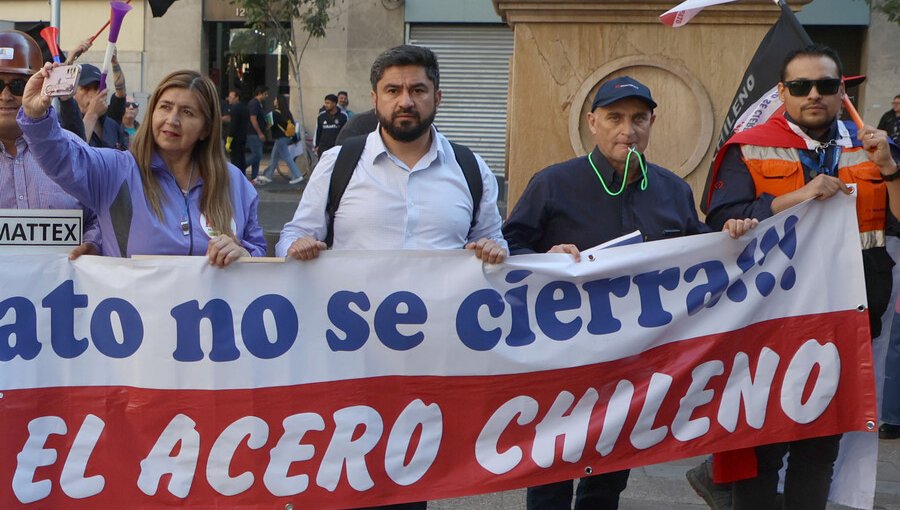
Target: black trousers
point(807, 480)
point(600, 492)
point(238, 154)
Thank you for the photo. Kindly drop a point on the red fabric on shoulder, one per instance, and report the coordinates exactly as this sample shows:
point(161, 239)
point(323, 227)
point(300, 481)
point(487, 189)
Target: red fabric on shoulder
point(734, 465)
point(775, 132)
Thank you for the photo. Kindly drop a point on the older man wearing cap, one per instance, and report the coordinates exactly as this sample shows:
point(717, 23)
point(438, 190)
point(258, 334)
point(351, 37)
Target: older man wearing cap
point(23, 184)
point(591, 199)
point(100, 130)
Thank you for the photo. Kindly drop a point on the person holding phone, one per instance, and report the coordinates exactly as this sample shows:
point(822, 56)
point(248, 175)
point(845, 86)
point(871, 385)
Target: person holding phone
point(173, 193)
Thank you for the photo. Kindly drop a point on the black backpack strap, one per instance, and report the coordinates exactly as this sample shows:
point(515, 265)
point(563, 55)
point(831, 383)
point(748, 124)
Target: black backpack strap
point(348, 157)
point(466, 160)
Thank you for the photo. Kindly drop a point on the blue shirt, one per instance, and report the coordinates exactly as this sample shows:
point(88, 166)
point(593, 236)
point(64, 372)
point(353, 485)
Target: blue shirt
point(566, 204)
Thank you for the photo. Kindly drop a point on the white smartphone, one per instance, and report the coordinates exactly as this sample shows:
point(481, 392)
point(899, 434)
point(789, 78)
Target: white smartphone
point(63, 81)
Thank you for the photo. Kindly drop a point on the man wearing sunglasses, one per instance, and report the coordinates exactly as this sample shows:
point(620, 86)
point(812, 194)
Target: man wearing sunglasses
point(807, 152)
point(129, 121)
point(23, 184)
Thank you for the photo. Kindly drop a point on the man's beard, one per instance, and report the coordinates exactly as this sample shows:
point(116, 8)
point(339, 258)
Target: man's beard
point(408, 130)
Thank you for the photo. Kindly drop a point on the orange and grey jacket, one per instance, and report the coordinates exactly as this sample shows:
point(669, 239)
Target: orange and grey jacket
point(771, 155)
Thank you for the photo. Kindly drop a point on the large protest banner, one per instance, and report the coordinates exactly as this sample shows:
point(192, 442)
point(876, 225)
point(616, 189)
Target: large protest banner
point(363, 378)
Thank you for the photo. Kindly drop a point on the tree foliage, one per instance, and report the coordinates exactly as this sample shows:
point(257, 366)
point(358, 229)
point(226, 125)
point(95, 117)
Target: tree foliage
point(890, 8)
point(308, 17)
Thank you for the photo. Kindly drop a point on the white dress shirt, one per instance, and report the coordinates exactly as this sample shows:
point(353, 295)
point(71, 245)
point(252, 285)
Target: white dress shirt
point(388, 205)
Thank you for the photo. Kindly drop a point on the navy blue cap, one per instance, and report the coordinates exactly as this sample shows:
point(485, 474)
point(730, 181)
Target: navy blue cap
point(89, 75)
point(620, 88)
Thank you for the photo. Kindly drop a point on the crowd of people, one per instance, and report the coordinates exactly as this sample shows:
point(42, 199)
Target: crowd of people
point(255, 119)
point(164, 186)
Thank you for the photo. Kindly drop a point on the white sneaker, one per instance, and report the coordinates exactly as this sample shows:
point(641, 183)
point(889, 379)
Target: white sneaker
point(298, 180)
point(262, 179)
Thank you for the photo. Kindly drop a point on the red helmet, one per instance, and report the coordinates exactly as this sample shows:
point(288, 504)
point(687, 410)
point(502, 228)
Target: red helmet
point(19, 54)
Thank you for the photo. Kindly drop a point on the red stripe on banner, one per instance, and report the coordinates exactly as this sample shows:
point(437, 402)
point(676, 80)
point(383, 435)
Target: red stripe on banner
point(381, 440)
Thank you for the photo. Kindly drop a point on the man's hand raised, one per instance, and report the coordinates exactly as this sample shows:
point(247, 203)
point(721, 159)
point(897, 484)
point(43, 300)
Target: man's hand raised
point(34, 103)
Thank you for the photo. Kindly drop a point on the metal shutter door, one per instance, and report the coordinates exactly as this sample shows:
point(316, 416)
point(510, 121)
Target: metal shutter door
point(474, 64)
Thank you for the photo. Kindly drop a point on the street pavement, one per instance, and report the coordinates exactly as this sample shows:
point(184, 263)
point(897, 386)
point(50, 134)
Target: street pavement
point(658, 487)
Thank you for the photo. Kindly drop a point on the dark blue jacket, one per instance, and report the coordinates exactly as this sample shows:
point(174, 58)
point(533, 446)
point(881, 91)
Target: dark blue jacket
point(566, 204)
point(114, 136)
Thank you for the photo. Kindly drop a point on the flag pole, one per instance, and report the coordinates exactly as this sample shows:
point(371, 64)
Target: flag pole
point(851, 110)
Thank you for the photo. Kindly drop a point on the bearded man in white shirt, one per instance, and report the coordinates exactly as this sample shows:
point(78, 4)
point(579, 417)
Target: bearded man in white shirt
point(408, 189)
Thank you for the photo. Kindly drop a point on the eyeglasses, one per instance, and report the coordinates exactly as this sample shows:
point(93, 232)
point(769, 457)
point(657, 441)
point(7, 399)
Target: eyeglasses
point(131, 105)
point(16, 86)
point(825, 86)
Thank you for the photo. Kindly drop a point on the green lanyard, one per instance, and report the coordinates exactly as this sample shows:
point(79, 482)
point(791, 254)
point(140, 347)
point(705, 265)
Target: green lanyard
point(625, 176)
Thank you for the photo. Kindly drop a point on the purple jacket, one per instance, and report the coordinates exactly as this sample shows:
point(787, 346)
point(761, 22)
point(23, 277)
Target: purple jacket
point(109, 182)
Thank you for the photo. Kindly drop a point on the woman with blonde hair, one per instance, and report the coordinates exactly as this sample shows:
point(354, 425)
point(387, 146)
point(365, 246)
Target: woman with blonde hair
point(173, 193)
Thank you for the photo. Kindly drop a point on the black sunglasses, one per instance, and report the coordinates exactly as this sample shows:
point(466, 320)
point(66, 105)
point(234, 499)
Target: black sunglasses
point(16, 86)
point(131, 105)
point(825, 86)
